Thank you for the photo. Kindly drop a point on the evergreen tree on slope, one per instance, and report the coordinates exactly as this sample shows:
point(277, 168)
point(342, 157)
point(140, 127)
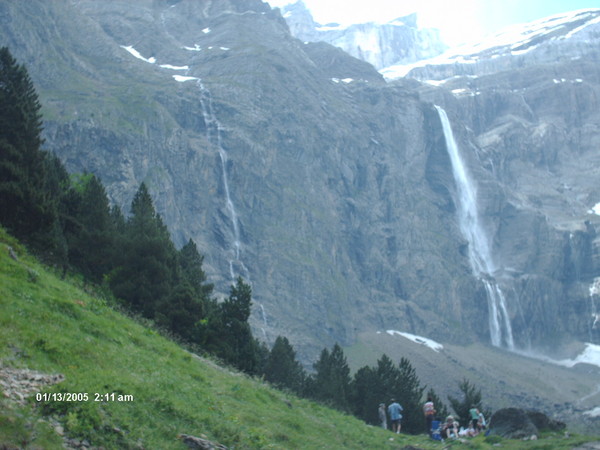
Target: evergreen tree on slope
point(237, 345)
point(27, 209)
point(189, 302)
point(471, 398)
point(146, 268)
point(282, 369)
point(409, 394)
point(366, 394)
point(331, 383)
point(89, 228)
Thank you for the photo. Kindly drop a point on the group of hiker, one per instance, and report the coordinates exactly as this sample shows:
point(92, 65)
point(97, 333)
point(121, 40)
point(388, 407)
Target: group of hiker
point(449, 429)
point(395, 412)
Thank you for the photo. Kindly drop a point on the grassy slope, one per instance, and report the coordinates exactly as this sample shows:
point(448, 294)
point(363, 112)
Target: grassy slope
point(51, 326)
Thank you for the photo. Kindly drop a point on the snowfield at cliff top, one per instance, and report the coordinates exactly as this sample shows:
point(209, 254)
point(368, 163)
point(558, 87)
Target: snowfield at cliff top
point(514, 40)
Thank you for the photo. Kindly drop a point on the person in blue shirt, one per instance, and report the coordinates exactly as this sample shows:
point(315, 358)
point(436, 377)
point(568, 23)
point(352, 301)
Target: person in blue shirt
point(394, 410)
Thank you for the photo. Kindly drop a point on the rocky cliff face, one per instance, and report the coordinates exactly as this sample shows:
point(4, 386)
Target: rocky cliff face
point(399, 41)
point(301, 169)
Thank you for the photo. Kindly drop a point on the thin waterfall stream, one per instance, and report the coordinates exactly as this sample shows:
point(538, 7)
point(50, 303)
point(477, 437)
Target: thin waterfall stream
point(480, 255)
point(594, 311)
point(213, 135)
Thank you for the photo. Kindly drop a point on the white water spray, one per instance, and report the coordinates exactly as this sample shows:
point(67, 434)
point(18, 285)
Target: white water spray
point(480, 255)
point(213, 135)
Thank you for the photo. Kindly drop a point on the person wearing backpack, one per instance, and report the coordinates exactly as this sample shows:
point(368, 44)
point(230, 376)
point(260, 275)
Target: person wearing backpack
point(429, 412)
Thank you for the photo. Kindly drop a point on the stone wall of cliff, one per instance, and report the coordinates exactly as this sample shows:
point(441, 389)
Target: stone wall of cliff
point(299, 168)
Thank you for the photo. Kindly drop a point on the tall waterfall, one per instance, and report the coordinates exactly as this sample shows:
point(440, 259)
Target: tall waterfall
point(213, 135)
point(480, 255)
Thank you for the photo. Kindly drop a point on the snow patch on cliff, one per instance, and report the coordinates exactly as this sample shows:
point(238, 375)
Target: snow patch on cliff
point(181, 78)
point(137, 54)
point(595, 209)
point(433, 345)
point(169, 66)
point(343, 80)
point(195, 48)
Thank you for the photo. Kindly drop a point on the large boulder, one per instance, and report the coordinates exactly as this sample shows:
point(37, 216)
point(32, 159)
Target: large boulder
point(545, 423)
point(512, 423)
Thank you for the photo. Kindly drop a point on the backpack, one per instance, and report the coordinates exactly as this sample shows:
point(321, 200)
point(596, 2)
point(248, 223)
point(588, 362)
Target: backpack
point(429, 409)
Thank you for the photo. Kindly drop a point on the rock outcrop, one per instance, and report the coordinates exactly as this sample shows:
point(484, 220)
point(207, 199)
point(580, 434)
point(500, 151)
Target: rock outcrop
point(19, 384)
point(515, 423)
point(544, 423)
point(512, 423)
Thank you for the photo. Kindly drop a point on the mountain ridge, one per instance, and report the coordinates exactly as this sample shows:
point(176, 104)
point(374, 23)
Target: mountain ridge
point(399, 41)
point(551, 39)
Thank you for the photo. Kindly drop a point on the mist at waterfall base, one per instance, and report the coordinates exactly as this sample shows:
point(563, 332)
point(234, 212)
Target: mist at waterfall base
point(480, 254)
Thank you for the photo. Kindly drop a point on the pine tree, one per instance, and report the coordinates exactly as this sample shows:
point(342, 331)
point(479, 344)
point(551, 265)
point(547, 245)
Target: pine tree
point(117, 220)
point(383, 383)
point(190, 263)
point(227, 333)
point(181, 311)
point(262, 356)
point(409, 394)
point(20, 117)
point(210, 326)
point(372, 386)
point(332, 379)
point(27, 209)
point(471, 398)
point(282, 368)
point(236, 312)
point(185, 310)
point(118, 225)
point(147, 266)
point(237, 306)
point(366, 394)
point(88, 227)
point(387, 375)
point(54, 245)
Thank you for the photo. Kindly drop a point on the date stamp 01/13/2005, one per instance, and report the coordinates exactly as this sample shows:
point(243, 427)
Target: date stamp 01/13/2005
point(83, 397)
